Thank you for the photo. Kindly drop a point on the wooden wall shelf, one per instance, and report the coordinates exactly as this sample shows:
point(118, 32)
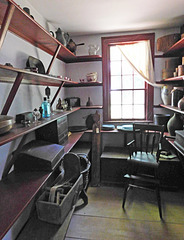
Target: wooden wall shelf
point(28, 29)
point(9, 74)
point(174, 109)
point(87, 58)
point(92, 107)
point(20, 188)
point(176, 50)
point(177, 81)
point(83, 84)
point(18, 130)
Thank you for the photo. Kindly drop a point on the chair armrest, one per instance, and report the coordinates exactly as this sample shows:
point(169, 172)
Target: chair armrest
point(131, 147)
point(130, 143)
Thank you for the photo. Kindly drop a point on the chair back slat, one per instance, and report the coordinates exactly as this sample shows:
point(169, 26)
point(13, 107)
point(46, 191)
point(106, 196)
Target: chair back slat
point(147, 141)
point(153, 142)
point(148, 137)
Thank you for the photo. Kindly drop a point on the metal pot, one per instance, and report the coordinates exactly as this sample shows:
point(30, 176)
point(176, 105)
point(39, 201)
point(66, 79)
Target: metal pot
point(72, 46)
point(6, 123)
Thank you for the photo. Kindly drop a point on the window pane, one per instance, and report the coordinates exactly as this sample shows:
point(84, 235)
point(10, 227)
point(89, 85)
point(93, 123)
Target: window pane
point(127, 82)
point(138, 81)
point(126, 68)
point(115, 82)
point(115, 53)
point(115, 67)
point(115, 97)
point(127, 97)
point(116, 111)
point(139, 112)
point(139, 97)
point(127, 111)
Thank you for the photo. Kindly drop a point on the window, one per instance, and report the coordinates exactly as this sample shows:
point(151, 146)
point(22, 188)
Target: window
point(126, 96)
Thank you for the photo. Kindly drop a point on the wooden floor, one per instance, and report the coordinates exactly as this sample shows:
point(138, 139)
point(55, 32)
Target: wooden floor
point(104, 219)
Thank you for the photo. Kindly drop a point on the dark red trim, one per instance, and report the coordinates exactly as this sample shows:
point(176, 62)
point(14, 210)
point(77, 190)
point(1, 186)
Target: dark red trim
point(61, 85)
point(12, 93)
point(115, 40)
point(6, 22)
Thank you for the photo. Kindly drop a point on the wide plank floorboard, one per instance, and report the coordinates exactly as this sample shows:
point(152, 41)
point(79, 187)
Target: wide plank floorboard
point(104, 219)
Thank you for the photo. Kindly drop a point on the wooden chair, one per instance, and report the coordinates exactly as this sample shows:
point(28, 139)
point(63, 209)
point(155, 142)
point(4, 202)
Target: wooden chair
point(143, 161)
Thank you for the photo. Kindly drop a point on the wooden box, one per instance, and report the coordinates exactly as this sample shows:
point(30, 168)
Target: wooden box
point(39, 155)
point(55, 132)
point(56, 213)
point(179, 141)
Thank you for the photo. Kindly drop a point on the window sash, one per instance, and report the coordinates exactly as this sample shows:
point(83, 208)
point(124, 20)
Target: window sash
point(106, 43)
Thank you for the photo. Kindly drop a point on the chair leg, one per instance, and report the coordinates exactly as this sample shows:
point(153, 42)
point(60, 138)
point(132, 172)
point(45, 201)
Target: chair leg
point(125, 195)
point(159, 201)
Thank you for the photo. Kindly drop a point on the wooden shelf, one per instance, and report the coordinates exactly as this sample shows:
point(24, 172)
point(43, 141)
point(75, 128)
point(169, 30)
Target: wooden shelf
point(8, 74)
point(83, 84)
point(177, 81)
point(25, 186)
point(87, 58)
point(92, 107)
point(17, 191)
point(176, 50)
point(174, 109)
point(28, 29)
point(18, 130)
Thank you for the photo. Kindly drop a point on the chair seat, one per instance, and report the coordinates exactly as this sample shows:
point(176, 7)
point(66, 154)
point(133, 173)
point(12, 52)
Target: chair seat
point(143, 178)
point(145, 159)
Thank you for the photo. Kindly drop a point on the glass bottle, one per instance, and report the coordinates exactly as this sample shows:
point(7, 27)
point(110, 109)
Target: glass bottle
point(46, 108)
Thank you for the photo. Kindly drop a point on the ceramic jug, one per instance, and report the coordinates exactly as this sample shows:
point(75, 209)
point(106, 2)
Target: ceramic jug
point(166, 94)
point(93, 49)
point(60, 36)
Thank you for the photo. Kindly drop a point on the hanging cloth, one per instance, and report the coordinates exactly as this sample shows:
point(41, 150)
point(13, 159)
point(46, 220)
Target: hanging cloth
point(138, 54)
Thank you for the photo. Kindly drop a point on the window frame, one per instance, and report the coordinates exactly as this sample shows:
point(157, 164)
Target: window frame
point(118, 40)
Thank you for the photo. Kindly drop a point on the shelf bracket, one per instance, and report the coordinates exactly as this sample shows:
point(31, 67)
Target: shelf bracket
point(12, 93)
point(61, 85)
point(53, 58)
point(6, 22)
point(11, 161)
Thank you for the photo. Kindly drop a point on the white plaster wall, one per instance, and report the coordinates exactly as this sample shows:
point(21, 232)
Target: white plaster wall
point(81, 70)
point(16, 51)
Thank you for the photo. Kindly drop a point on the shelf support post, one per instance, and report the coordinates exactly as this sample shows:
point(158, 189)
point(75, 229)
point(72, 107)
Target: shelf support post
point(12, 93)
point(96, 150)
point(6, 22)
point(61, 85)
point(53, 58)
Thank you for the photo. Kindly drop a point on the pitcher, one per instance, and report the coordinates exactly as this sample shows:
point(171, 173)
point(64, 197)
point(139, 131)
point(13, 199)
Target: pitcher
point(93, 49)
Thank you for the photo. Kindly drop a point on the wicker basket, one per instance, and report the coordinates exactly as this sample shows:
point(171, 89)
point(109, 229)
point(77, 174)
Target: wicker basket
point(165, 42)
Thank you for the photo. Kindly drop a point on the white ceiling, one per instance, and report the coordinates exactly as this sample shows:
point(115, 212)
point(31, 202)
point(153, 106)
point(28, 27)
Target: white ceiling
point(82, 17)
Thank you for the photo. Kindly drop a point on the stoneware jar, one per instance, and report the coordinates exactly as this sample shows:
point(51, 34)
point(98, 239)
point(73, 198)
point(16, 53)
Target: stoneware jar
point(176, 95)
point(181, 104)
point(166, 94)
point(174, 123)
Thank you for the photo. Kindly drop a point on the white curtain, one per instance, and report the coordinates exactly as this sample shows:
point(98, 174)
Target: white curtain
point(139, 56)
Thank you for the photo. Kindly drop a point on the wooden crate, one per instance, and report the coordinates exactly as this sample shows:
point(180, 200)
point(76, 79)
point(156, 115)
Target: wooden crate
point(56, 213)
